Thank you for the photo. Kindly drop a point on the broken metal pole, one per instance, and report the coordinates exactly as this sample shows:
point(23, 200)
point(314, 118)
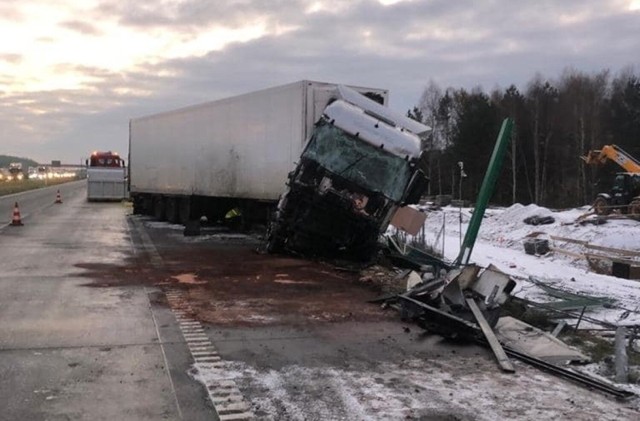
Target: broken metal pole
point(579, 319)
point(558, 328)
point(486, 191)
point(501, 356)
point(621, 360)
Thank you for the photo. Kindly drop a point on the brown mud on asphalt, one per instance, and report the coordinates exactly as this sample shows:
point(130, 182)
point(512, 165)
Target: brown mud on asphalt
point(238, 286)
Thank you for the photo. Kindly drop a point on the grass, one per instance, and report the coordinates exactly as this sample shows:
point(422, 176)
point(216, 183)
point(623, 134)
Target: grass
point(601, 350)
point(598, 348)
point(11, 187)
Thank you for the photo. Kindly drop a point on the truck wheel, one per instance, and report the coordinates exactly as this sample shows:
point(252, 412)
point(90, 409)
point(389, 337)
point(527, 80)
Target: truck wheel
point(147, 205)
point(158, 208)
point(137, 206)
point(634, 208)
point(601, 206)
point(171, 210)
point(184, 210)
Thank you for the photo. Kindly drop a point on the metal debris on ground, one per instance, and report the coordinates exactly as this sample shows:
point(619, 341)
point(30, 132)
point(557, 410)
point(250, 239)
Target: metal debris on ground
point(621, 263)
point(497, 349)
point(409, 257)
point(439, 311)
point(536, 246)
point(470, 293)
point(567, 300)
point(539, 220)
point(523, 337)
point(598, 220)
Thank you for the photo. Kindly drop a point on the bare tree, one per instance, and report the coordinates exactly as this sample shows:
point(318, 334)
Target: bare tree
point(542, 98)
point(556, 121)
point(581, 98)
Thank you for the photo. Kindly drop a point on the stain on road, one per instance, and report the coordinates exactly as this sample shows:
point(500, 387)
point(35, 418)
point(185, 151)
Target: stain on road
point(237, 286)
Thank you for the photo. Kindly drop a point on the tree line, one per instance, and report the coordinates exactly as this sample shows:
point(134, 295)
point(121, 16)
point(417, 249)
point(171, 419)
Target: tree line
point(556, 122)
point(5, 160)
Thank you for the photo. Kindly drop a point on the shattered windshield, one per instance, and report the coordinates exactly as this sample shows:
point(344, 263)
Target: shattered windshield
point(358, 161)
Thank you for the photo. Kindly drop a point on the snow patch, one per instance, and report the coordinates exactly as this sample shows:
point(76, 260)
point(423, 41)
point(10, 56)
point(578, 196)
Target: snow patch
point(419, 389)
point(500, 242)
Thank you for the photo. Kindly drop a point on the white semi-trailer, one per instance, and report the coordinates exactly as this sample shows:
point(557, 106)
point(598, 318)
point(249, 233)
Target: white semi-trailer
point(234, 152)
point(240, 153)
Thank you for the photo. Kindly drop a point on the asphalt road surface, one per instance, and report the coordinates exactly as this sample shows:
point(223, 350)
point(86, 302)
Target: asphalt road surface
point(104, 315)
point(72, 352)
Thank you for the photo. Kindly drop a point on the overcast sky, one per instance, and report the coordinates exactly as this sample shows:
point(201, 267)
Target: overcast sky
point(73, 72)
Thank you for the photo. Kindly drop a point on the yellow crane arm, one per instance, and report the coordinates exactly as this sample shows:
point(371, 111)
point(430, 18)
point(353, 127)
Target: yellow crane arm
point(612, 153)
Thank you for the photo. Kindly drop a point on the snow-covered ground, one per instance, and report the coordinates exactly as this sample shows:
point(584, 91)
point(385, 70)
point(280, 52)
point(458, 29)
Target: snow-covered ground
point(500, 242)
point(416, 389)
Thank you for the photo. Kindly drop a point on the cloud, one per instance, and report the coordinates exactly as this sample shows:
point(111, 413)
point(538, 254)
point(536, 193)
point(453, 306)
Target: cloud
point(9, 13)
point(196, 14)
point(11, 58)
point(171, 54)
point(81, 27)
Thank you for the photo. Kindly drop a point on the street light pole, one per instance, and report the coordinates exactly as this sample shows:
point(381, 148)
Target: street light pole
point(462, 175)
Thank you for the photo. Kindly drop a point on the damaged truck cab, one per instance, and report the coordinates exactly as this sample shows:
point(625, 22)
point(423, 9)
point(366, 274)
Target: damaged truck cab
point(361, 164)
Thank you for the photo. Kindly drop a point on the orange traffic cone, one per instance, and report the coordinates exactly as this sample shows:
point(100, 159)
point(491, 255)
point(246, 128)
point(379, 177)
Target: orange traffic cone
point(58, 198)
point(16, 221)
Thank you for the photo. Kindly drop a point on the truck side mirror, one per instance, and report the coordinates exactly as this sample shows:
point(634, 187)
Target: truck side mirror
point(417, 186)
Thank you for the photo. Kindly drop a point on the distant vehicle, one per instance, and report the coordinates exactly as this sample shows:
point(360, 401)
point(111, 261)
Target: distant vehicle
point(42, 173)
point(15, 171)
point(106, 177)
point(625, 194)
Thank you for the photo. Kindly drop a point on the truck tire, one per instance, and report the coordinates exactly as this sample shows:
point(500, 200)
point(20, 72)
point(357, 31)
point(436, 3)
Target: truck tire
point(147, 205)
point(601, 206)
point(184, 210)
point(171, 210)
point(158, 208)
point(137, 206)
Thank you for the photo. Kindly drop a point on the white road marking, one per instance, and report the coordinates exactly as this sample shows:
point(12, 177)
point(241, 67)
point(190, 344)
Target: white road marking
point(224, 394)
point(178, 305)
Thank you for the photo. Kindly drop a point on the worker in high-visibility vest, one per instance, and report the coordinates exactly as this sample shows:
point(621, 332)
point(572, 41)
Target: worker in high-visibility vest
point(233, 218)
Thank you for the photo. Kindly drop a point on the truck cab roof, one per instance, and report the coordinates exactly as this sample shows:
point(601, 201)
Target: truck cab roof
point(372, 129)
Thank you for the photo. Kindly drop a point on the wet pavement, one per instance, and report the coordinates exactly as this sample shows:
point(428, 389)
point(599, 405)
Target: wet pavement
point(72, 352)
